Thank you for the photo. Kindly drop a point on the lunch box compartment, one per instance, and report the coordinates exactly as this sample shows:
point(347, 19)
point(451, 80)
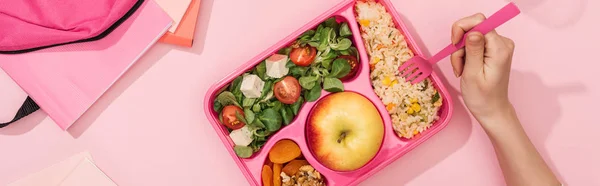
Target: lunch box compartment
point(305, 153)
point(445, 111)
point(368, 165)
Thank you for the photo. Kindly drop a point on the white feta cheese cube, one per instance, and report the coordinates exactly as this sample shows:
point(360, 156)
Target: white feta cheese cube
point(252, 86)
point(276, 66)
point(242, 136)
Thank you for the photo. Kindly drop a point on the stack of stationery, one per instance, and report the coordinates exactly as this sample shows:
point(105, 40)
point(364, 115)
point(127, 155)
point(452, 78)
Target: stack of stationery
point(185, 15)
point(66, 80)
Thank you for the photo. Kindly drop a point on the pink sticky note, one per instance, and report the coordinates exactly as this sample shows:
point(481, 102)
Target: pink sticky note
point(66, 80)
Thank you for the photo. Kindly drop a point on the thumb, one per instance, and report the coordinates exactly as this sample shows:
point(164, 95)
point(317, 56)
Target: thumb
point(475, 48)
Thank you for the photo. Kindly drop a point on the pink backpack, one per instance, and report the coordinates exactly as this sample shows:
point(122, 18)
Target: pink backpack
point(30, 25)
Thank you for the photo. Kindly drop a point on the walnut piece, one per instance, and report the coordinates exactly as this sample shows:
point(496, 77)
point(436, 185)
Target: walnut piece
point(307, 176)
point(287, 180)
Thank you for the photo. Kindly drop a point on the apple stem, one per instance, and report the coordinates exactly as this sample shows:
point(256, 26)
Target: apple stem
point(342, 136)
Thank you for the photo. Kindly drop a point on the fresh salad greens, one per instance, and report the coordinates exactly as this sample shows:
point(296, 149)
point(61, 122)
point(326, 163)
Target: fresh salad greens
point(316, 61)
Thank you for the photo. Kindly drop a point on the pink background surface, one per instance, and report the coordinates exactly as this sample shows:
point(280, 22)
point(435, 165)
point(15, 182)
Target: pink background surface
point(150, 129)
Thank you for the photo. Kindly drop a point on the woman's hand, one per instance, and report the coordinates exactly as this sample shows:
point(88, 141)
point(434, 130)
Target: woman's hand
point(484, 68)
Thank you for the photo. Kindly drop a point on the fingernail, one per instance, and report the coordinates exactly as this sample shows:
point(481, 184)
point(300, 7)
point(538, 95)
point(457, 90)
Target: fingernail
point(455, 72)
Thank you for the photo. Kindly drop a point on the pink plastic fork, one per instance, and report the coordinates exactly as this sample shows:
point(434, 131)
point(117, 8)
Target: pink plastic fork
point(418, 68)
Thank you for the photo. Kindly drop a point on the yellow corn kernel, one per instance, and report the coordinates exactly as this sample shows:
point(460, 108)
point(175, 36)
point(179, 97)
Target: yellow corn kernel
point(364, 22)
point(390, 106)
point(375, 60)
point(403, 116)
point(410, 111)
point(386, 81)
point(438, 103)
point(416, 107)
point(394, 82)
point(414, 100)
point(415, 132)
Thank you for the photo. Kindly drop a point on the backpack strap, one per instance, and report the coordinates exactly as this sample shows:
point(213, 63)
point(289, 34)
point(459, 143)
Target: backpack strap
point(28, 107)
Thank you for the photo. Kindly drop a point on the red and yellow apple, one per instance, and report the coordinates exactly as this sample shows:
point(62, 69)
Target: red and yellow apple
point(344, 131)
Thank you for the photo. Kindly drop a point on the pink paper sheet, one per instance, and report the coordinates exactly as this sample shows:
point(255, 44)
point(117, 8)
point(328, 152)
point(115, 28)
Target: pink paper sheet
point(175, 9)
point(54, 174)
point(86, 173)
point(65, 81)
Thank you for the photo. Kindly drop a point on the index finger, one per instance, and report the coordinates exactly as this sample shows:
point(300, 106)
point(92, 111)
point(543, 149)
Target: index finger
point(462, 26)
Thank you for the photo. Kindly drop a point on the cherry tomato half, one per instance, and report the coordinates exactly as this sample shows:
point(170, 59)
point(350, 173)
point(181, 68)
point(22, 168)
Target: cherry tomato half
point(353, 66)
point(303, 56)
point(288, 90)
point(229, 118)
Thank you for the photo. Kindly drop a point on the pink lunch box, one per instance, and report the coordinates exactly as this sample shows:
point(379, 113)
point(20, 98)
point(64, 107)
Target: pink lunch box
point(393, 147)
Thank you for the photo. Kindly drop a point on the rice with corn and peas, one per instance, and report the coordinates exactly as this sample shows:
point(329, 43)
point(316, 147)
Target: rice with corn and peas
point(413, 108)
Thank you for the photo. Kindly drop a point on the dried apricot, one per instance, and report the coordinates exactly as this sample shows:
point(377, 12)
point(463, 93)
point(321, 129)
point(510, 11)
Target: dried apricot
point(267, 176)
point(284, 151)
point(294, 166)
point(276, 173)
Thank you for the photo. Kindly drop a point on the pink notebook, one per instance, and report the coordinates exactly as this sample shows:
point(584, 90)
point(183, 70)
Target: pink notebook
point(65, 81)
